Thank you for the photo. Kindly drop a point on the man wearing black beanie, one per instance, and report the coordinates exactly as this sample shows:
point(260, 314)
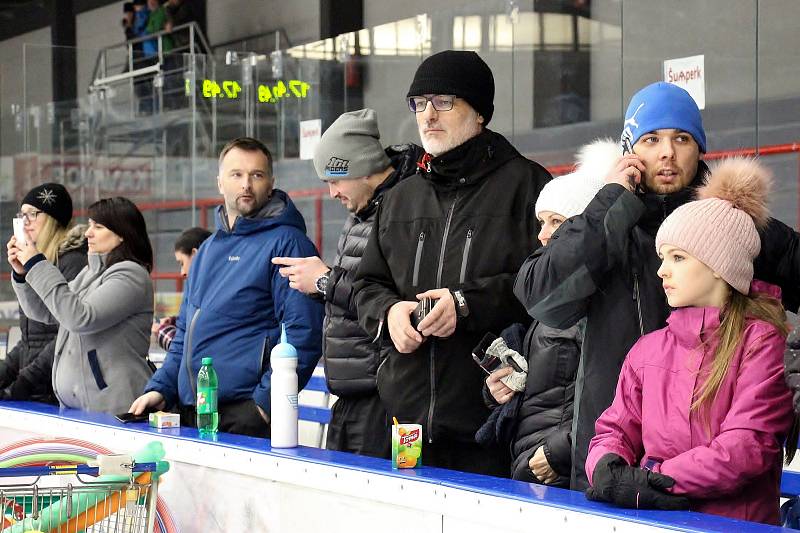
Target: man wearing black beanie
point(455, 233)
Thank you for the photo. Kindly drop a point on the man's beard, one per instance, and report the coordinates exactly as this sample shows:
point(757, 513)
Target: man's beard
point(456, 137)
point(244, 209)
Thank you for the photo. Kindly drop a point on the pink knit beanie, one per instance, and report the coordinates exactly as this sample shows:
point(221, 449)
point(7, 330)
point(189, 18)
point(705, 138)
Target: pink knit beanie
point(720, 227)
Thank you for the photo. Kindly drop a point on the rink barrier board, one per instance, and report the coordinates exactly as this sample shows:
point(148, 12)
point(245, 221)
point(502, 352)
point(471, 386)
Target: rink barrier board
point(443, 500)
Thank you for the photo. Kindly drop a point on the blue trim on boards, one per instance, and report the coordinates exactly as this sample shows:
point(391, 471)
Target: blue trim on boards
point(503, 488)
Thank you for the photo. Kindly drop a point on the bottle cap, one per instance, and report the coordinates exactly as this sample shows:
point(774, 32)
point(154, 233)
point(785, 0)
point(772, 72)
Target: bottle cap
point(283, 349)
point(207, 360)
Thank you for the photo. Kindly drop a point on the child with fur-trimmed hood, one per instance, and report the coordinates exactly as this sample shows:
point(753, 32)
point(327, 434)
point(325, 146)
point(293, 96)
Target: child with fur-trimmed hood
point(701, 409)
point(532, 410)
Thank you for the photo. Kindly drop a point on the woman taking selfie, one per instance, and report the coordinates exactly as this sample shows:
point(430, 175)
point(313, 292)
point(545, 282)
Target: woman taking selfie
point(46, 214)
point(104, 314)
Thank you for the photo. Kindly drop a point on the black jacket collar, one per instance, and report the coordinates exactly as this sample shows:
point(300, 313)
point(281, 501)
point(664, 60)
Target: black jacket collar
point(471, 161)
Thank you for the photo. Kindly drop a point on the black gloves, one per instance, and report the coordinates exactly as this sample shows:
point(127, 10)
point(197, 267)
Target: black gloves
point(629, 486)
point(20, 389)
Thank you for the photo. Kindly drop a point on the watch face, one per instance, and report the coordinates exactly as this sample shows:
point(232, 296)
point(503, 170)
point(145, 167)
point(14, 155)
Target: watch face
point(322, 283)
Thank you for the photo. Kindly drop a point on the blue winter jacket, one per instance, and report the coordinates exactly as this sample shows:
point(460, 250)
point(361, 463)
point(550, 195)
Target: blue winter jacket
point(233, 305)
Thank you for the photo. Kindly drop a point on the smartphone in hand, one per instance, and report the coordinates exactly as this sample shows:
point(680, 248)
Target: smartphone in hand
point(489, 363)
point(19, 230)
point(421, 311)
point(130, 417)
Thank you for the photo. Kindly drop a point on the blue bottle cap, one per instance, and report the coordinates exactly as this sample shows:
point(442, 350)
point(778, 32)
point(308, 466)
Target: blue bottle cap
point(283, 348)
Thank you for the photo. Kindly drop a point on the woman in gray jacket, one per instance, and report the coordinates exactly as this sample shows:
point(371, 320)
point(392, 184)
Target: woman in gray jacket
point(104, 314)
point(46, 214)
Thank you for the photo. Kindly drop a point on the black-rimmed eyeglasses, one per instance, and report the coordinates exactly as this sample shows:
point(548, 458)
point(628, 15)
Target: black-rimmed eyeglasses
point(30, 216)
point(440, 102)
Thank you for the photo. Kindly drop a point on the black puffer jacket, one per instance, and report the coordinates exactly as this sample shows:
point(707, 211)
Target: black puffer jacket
point(603, 265)
point(545, 413)
point(351, 358)
point(26, 373)
point(465, 223)
point(791, 365)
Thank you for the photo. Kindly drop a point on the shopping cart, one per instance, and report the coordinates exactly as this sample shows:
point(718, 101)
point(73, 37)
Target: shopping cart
point(113, 494)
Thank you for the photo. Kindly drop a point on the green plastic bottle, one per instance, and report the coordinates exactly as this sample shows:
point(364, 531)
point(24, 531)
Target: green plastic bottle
point(207, 383)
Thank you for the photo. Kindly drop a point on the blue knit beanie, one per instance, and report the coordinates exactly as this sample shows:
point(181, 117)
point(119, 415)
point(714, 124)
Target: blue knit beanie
point(662, 105)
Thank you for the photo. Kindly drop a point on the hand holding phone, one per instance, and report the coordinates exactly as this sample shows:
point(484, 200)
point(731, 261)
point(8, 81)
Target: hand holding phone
point(19, 231)
point(130, 417)
point(421, 311)
point(627, 149)
point(488, 362)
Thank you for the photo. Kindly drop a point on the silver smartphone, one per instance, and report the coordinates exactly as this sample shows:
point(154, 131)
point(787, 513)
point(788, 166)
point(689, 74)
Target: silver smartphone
point(19, 230)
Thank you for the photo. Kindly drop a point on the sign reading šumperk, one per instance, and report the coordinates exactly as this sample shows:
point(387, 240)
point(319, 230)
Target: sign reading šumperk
point(690, 74)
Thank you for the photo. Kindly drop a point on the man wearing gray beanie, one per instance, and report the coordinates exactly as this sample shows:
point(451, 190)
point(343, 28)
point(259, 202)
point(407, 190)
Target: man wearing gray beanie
point(358, 171)
point(454, 234)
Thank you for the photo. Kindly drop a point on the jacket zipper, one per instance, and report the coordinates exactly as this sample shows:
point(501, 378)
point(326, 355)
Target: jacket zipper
point(444, 241)
point(378, 370)
point(637, 297)
point(418, 258)
point(432, 352)
point(465, 257)
point(433, 391)
point(263, 367)
point(187, 353)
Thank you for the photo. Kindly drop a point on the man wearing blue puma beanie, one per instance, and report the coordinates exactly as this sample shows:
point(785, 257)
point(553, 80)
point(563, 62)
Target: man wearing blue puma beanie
point(663, 105)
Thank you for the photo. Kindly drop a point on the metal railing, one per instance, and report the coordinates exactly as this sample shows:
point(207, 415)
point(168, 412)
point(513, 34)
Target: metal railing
point(318, 195)
point(100, 71)
point(252, 43)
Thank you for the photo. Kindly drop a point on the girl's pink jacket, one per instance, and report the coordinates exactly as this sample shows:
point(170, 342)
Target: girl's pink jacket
point(734, 469)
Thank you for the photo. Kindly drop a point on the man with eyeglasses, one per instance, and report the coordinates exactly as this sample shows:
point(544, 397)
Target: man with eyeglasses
point(454, 233)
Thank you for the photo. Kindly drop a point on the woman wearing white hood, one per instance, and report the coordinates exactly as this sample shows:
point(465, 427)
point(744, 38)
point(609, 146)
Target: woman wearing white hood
point(533, 408)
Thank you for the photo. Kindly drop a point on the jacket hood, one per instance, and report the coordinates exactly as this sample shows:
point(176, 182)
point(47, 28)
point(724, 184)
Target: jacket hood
point(596, 159)
point(404, 159)
point(471, 161)
point(75, 239)
point(278, 211)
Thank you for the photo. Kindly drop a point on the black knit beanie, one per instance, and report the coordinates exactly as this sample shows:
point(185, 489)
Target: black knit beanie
point(53, 199)
point(461, 73)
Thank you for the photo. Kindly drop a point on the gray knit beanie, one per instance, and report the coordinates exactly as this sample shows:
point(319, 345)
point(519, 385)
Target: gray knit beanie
point(350, 148)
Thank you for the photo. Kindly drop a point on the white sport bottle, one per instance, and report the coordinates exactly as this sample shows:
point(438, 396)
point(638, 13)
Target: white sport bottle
point(283, 419)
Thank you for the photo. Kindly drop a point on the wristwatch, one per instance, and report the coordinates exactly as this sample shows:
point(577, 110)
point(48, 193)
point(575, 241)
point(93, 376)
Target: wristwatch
point(321, 284)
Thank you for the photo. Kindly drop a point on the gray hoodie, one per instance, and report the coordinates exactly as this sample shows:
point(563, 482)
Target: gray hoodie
point(104, 317)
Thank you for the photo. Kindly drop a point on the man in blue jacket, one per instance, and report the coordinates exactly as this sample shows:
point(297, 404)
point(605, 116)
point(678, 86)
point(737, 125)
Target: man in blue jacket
point(235, 300)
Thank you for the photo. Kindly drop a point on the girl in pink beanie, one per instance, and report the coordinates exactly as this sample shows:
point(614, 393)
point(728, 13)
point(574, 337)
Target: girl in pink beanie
point(701, 408)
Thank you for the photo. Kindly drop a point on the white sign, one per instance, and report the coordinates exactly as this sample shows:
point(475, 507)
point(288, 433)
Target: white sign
point(690, 74)
point(310, 132)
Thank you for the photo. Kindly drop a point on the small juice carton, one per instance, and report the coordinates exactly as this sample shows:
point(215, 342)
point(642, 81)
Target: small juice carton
point(160, 419)
point(406, 445)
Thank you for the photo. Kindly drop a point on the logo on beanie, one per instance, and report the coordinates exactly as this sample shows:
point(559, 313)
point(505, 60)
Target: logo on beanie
point(632, 121)
point(47, 197)
point(626, 139)
point(337, 167)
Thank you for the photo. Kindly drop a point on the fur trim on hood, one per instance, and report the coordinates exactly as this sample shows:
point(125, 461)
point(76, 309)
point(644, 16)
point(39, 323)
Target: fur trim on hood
point(75, 239)
point(597, 158)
